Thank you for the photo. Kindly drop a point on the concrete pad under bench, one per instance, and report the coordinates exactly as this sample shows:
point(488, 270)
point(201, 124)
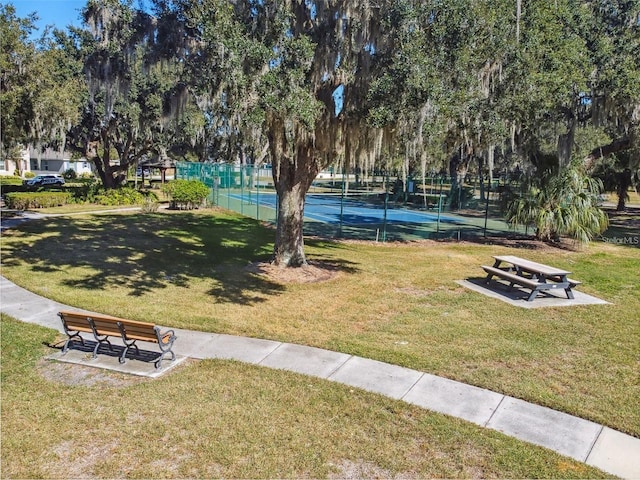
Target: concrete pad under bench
point(132, 366)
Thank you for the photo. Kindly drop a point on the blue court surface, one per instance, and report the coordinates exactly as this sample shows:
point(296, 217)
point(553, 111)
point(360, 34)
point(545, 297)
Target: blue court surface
point(352, 210)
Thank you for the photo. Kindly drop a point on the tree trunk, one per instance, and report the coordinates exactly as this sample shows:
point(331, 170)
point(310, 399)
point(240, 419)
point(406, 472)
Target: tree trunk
point(565, 144)
point(481, 177)
point(288, 250)
point(458, 166)
point(624, 183)
point(292, 181)
point(103, 163)
point(292, 178)
point(105, 171)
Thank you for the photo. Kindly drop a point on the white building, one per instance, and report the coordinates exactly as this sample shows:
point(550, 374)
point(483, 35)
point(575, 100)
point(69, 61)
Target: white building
point(53, 161)
point(8, 167)
point(46, 161)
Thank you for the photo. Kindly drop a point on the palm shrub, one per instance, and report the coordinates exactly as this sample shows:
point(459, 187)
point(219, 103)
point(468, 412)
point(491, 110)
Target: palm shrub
point(561, 204)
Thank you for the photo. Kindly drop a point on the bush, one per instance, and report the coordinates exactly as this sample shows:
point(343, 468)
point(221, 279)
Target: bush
point(70, 174)
point(150, 204)
point(29, 174)
point(121, 196)
point(84, 191)
point(186, 194)
point(10, 180)
point(25, 201)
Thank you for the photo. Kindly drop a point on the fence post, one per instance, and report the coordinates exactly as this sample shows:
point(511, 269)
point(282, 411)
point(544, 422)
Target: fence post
point(439, 207)
point(486, 210)
point(341, 203)
point(386, 205)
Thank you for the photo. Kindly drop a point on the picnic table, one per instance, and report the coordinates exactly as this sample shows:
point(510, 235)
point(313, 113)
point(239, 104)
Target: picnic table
point(532, 275)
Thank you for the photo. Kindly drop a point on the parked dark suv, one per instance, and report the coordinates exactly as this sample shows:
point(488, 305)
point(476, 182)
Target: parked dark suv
point(44, 181)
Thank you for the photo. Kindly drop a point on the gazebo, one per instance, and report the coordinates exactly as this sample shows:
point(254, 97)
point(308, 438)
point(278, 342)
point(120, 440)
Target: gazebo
point(160, 162)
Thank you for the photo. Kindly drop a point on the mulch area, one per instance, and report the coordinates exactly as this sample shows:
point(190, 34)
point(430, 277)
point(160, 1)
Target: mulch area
point(312, 273)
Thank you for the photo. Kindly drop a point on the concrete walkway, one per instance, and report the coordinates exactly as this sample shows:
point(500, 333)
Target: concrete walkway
point(588, 442)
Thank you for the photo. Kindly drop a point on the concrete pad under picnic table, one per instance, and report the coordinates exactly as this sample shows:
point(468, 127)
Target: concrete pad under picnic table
point(517, 296)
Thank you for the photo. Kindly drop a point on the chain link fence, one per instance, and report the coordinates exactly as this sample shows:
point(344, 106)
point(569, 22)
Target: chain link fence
point(377, 206)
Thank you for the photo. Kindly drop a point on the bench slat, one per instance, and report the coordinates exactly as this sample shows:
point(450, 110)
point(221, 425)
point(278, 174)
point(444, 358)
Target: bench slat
point(107, 325)
point(512, 277)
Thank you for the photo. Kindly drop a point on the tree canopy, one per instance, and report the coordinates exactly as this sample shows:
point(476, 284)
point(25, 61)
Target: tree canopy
point(305, 84)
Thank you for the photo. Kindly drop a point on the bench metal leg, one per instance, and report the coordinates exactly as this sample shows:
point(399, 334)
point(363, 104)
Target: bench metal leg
point(126, 350)
point(569, 293)
point(65, 347)
point(99, 340)
point(165, 347)
point(158, 362)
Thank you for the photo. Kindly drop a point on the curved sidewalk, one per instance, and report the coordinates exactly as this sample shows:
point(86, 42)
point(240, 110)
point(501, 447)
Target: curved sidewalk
point(594, 444)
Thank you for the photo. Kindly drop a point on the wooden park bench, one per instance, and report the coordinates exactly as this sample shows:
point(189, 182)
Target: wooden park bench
point(130, 331)
point(531, 275)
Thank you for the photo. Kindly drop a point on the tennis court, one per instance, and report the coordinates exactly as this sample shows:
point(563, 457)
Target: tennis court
point(350, 210)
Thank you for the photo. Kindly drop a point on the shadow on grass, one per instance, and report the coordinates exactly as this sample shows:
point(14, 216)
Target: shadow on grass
point(143, 253)
point(624, 227)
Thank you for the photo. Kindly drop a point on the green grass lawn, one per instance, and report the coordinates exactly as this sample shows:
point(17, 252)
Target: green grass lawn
point(397, 303)
point(223, 419)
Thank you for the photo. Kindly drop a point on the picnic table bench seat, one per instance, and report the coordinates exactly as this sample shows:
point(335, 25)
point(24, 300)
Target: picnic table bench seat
point(102, 327)
point(512, 277)
point(572, 283)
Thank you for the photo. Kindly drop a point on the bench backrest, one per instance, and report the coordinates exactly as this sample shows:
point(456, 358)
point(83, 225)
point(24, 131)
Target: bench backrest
point(75, 321)
point(106, 325)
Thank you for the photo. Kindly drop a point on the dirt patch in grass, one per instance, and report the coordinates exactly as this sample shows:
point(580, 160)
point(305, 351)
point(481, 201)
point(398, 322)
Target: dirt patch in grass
point(349, 470)
point(72, 374)
point(80, 375)
point(314, 272)
point(66, 461)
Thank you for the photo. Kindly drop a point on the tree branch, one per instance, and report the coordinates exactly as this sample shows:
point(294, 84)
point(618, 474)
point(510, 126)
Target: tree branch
point(618, 145)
